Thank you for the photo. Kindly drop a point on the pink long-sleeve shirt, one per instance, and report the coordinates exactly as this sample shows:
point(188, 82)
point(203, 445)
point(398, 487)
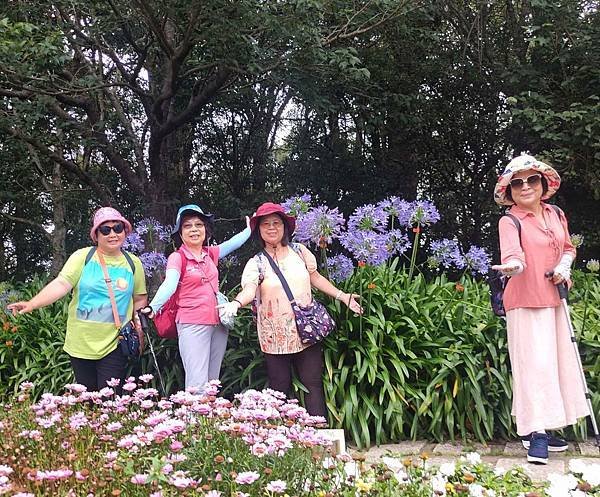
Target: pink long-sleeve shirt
point(540, 250)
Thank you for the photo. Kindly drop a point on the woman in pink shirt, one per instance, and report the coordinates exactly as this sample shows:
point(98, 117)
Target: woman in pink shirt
point(547, 390)
point(201, 336)
point(276, 325)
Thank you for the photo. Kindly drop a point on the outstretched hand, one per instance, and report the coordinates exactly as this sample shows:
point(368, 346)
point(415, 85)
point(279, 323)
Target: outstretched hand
point(508, 269)
point(350, 299)
point(248, 219)
point(20, 307)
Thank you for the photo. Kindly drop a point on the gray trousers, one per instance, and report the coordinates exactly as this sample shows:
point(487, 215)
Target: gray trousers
point(202, 348)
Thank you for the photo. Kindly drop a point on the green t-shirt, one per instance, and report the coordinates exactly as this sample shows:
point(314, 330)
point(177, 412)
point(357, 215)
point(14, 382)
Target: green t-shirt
point(91, 329)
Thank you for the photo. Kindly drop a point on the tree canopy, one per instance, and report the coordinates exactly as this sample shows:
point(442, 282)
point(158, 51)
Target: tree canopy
point(146, 105)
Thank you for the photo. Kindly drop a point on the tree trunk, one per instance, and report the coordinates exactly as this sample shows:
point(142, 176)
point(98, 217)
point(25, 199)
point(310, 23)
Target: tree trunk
point(59, 253)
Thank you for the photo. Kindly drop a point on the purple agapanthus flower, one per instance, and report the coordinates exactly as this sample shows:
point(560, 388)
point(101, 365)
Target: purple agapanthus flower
point(368, 217)
point(340, 267)
point(367, 246)
point(423, 212)
point(134, 243)
point(477, 259)
point(399, 209)
point(229, 261)
point(297, 205)
point(152, 226)
point(153, 261)
point(446, 253)
point(319, 226)
point(397, 242)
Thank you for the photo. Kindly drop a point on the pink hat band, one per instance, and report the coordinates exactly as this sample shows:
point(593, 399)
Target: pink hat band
point(105, 214)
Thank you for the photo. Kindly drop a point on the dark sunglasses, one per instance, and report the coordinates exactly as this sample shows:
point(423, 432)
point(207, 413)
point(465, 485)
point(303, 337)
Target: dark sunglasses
point(533, 181)
point(117, 228)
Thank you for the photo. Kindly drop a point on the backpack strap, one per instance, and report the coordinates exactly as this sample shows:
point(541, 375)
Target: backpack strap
point(517, 223)
point(557, 209)
point(126, 254)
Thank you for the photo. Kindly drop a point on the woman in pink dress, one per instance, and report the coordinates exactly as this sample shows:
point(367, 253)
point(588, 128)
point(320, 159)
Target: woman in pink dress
point(277, 332)
point(548, 393)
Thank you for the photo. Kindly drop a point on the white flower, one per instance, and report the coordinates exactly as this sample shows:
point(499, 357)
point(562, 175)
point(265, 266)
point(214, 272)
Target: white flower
point(591, 474)
point(577, 466)
point(351, 469)
point(438, 484)
point(392, 463)
point(448, 469)
point(475, 490)
point(578, 493)
point(473, 458)
point(499, 471)
point(560, 485)
point(490, 493)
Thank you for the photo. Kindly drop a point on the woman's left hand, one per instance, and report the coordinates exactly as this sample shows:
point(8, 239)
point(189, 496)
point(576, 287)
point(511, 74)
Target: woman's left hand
point(350, 299)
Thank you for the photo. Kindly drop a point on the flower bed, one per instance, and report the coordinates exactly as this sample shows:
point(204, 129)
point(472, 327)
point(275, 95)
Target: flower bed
point(99, 444)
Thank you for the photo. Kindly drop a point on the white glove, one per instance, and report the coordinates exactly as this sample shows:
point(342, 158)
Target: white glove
point(228, 310)
point(511, 268)
point(563, 269)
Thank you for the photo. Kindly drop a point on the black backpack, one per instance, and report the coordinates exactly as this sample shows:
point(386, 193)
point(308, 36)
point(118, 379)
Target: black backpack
point(497, 281)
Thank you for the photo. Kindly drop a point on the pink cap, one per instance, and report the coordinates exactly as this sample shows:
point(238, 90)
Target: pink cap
point(107, 214)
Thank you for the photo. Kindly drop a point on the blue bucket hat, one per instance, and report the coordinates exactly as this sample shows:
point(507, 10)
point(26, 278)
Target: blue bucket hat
point(191, 209)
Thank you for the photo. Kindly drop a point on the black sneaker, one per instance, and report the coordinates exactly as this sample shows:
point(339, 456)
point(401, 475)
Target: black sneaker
point(538, 448)
point(555, 444)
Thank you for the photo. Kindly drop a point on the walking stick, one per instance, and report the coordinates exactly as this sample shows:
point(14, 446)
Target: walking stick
point(144, 322)
point(563, 293)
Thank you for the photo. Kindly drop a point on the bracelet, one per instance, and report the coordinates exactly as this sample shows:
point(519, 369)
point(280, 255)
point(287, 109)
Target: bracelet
point(236, 300)
point(338, 295)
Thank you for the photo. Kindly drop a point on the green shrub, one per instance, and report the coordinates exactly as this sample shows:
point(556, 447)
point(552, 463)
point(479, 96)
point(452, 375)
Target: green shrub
point(428, 359)
point(31, 346)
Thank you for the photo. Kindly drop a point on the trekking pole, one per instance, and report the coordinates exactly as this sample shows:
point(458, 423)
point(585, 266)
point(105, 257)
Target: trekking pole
point(144, 322)
point(563, 294)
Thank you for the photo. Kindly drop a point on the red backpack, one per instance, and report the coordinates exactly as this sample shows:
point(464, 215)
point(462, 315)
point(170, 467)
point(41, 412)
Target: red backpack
point(164, 320)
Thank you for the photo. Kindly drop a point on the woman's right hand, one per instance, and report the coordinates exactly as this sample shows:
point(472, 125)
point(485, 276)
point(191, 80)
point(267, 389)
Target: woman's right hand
point(21, 307)
point(230, 309)
point(350, 299)
point(147, 311)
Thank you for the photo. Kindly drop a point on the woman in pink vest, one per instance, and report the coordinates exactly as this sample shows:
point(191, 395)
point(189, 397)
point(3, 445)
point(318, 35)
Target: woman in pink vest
point(202, 338)
point(548, 393)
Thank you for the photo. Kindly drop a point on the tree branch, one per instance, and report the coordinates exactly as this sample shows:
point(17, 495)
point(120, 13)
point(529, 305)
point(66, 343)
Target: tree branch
point(28, 222)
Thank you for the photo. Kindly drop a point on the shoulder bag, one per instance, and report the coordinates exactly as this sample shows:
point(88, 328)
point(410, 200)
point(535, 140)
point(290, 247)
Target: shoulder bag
point(312, 321)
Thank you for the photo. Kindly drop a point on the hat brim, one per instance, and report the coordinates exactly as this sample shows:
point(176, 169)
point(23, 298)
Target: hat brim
point(551, 175)
point(207, 218)
point(289, 220)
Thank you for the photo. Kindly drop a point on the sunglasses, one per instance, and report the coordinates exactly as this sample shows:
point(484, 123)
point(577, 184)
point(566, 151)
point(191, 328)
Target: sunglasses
point(532, 181)
point(117, 228)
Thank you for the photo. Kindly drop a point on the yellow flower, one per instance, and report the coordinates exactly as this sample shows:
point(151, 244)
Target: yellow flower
point(363, 486)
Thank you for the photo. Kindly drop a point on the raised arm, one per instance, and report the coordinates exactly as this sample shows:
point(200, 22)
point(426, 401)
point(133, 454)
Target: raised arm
point(236, 241)
point(53, 291)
